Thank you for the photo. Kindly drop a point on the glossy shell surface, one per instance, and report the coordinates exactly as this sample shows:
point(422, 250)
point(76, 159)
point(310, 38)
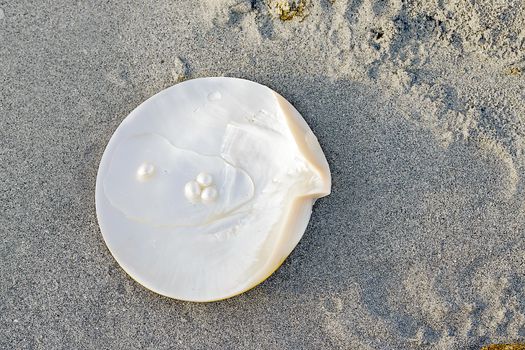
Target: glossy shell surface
point(206, 187)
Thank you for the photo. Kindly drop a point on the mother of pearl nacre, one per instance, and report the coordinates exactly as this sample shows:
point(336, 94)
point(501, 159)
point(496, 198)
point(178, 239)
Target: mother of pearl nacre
point(205, 188)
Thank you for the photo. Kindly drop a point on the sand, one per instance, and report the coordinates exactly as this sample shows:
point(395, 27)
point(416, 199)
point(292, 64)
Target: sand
point(418, 105)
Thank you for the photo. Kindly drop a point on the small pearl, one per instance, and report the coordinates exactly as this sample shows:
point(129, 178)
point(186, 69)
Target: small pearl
point(192, 191)
point(145, 171)
point(204, 179)
point(208, 195)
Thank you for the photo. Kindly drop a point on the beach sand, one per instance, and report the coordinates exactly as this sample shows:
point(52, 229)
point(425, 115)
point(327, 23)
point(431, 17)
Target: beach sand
point(418, 105)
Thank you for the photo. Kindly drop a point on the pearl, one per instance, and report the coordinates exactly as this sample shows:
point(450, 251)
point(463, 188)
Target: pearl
point(208, 195)
point(204, 179)
point(145, 171)
point(192, 191)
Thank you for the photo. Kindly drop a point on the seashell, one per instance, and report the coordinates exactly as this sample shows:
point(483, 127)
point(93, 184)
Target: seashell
point(206, 188)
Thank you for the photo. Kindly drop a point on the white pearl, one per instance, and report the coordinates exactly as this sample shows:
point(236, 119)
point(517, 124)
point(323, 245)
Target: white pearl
point(145, 171)
point(192, 191)
point(208, 195)
point(204, 179)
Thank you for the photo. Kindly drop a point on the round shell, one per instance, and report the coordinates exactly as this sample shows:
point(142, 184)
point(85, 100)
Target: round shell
point(205, 188)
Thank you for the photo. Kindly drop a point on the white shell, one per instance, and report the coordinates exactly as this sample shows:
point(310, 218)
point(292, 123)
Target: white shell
point(206, 188)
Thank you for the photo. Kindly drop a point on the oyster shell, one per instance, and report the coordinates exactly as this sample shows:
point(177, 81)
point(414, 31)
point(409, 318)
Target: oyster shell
point(205, 188)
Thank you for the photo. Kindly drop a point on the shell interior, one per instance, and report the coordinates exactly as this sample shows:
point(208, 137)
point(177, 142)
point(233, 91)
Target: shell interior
point(205, 188)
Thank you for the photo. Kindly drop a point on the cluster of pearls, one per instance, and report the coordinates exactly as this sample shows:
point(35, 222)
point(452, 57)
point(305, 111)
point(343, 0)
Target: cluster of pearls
point(201, 189)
